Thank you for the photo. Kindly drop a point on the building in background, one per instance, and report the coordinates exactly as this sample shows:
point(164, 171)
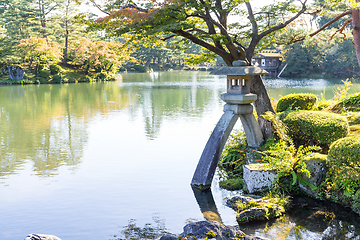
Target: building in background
point(270, 60)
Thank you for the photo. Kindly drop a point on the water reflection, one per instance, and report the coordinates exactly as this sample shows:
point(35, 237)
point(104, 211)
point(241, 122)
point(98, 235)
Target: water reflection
point(207, 205)
point(310, 219)
point(149, 231)
point(48, 124)
point(315, 84)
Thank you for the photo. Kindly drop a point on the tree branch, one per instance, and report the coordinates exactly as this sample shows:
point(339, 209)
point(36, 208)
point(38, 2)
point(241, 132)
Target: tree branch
point(331, 22)
point(342, 29)
point(252, 19)
point(98, 7)
point(280, 26)
point(220, 52)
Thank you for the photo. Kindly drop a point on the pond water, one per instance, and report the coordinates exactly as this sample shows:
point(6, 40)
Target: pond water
point(88, 161)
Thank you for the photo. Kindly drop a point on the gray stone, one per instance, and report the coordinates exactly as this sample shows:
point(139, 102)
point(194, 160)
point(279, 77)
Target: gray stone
point(220, 231)
point(239, 109)
point(317, 167)
point(257, 177)
point(15, 72)
point(39, 236)
point(238, 98)
point(254, 136)
point(168, 237)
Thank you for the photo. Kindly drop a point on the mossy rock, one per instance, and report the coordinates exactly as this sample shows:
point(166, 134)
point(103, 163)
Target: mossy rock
point(257, 209)
point(316, 128)
point(301, 101)
point(344, 172)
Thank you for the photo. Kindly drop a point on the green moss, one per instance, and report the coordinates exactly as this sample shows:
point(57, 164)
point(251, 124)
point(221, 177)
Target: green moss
point(210, 234)
point(301, 101)
point(316, 128)
point(232, 183)
point(270, 207)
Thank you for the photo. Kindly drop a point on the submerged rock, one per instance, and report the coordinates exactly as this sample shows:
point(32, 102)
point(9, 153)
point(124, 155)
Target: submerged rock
point(211, 230)
point(41, 237)
point(254, 209)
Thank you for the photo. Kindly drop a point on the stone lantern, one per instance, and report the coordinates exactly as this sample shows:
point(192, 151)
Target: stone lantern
point(238, 101)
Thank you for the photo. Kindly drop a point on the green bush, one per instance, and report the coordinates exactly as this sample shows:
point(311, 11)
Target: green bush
point(101, 76)
point(44, 73)
point(122, 69)
point(39, 67)
point(315, 128)
point(344, 172)
point(301, 101)
point(55, 69)
point(57, 79)
point(140, 68)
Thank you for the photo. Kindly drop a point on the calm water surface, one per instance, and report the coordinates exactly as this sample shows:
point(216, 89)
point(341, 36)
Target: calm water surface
point(83, 161)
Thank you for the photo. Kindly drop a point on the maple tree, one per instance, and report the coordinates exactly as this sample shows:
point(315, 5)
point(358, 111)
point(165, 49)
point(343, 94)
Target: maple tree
point(39, 51)
point(99, 55)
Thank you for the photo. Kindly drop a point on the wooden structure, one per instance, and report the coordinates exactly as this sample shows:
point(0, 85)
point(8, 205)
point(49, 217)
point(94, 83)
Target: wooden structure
point(270, 60)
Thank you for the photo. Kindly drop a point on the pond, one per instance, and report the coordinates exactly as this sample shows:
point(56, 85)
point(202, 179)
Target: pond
point(88, 161)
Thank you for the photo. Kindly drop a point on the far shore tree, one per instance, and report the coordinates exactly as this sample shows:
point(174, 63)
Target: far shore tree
point(206, 23)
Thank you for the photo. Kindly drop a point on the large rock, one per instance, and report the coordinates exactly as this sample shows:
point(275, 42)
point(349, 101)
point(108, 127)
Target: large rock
point(255, 209)
point(41, 237)
point(213, 230)
point(258, 177)
point(317, 167)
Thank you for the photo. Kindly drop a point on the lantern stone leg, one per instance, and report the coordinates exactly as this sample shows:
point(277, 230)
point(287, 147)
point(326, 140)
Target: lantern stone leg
point(209, 159)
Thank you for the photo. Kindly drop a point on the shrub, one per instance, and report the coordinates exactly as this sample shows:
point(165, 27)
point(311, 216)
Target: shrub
point(140, 68)
point(316, 128)
point(57, 79)
point(122, 69)
point(55, 69)
point(44, 73)
point(344, 172)
point(100, 76)
point(301, 101)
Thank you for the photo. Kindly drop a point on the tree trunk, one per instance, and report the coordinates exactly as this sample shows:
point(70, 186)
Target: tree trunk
point(262, 104)
point(356, 31)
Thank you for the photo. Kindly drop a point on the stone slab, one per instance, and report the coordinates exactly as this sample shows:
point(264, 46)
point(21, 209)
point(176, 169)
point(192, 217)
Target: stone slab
point(256, 179)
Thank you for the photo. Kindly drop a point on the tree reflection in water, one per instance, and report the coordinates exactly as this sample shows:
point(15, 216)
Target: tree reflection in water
point(149, 231)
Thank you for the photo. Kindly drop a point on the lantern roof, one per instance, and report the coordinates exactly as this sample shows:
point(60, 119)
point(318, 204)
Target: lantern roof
point(239, 68)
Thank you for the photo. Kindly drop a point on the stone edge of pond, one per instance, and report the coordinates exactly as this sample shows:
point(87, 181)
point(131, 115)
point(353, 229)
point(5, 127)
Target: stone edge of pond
point(211, 230)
